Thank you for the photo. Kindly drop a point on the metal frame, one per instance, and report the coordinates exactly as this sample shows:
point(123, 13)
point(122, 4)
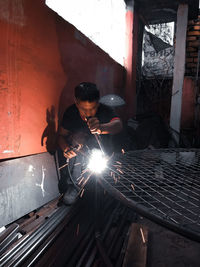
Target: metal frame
point(162, 185)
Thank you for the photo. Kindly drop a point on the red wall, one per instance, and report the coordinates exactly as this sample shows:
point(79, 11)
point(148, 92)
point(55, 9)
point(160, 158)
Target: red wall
point(42, 58)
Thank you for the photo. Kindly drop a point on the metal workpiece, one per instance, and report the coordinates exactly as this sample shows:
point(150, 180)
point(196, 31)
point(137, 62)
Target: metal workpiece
point(162, 185)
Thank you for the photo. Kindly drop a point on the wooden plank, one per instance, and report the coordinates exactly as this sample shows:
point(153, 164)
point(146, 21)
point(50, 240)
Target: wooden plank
point(136, 253)
point(179, 69)
point(26, 184)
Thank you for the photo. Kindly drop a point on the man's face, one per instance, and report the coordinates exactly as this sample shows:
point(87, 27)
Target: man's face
point(87, 109)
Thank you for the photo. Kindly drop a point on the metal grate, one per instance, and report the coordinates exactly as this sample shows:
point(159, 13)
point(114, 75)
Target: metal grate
point(163, 185)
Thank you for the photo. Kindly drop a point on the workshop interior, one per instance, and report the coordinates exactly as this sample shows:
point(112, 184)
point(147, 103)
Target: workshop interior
point(138, 205)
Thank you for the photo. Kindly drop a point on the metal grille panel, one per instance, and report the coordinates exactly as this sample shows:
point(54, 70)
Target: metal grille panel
point(163, 185)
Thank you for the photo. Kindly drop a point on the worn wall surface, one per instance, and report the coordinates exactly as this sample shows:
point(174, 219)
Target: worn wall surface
point(188, 103)
point(42, 58)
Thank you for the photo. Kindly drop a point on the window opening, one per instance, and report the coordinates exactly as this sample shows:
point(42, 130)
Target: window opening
point(102, 21)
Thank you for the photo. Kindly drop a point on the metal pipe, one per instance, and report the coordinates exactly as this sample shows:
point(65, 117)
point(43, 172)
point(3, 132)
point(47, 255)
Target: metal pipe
point(42, 231)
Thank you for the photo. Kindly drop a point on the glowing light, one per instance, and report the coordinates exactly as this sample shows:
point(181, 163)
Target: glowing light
point(97, 161)
point(103, 21)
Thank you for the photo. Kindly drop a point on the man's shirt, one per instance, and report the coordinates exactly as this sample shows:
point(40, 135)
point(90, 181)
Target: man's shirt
point(78, 128)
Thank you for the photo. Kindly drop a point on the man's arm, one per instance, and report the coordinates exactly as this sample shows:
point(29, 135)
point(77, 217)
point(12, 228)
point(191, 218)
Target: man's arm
point(62, 135)
point(112, 127)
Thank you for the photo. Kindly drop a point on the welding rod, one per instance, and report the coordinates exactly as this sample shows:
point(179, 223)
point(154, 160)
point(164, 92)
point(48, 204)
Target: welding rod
point(97, 137)
point(98, 141)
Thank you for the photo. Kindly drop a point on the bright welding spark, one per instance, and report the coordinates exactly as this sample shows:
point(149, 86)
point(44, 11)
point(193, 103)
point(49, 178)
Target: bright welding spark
point(120, 171)
point(87, 179)
point(63, 166)
point(77, 164)
point(97, 161)
point(114, 178)
point(142, 234)
point(123, 151)
point(83, 172)
point(81, 180)
point(82, 191)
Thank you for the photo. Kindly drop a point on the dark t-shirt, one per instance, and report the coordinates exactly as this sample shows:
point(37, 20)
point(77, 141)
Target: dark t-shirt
point(79, 131)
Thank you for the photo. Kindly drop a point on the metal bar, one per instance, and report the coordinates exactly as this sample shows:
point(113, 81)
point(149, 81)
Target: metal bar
point(7, 235)
point(80, 251)
point(32, 240)
point(103, 254)
point(117, 233)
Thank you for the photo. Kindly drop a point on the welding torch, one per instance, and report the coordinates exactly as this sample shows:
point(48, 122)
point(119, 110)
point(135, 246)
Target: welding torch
point(77, 147)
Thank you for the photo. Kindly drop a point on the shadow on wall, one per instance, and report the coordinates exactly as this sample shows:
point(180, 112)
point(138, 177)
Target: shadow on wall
point(82, 61)
point(50, 131)
point(72, 59)
point(65, 100)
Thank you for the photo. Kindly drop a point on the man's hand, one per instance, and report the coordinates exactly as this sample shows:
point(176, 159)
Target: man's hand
point(72, 152)
point(94, 125)
point(68, 154)
point(112, 127)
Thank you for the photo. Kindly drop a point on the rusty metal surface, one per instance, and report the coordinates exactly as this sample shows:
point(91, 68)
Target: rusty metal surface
point(162, 185)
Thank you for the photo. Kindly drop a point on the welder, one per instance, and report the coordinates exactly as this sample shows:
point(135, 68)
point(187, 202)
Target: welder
point(81, 123)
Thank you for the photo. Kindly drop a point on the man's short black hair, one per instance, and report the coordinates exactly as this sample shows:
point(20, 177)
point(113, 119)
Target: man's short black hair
point(86, 91)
